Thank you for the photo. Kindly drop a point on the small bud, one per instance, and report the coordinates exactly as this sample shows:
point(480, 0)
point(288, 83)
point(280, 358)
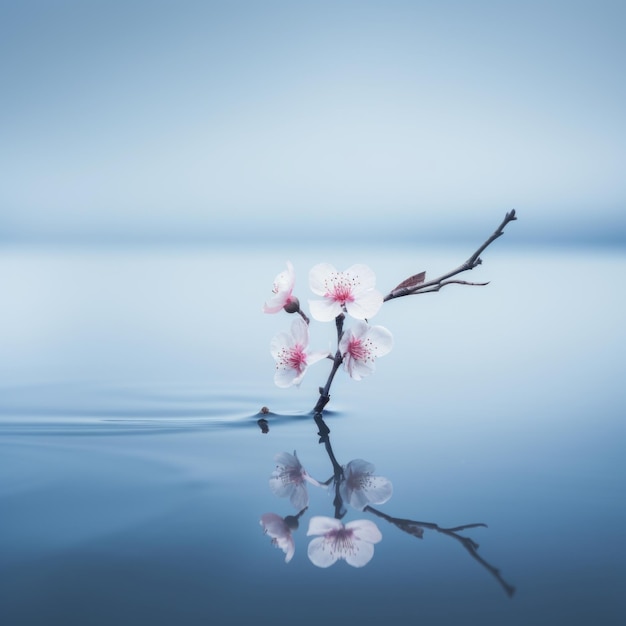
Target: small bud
point(293, 306)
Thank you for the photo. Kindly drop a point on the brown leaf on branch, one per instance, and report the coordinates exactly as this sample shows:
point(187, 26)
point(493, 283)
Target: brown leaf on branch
point(412, 529)
point(412, 281)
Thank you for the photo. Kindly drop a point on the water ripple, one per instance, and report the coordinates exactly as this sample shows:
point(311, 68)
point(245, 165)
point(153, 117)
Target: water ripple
point(124, 409)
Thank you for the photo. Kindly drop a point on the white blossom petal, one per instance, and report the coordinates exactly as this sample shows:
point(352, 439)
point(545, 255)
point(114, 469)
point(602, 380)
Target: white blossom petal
point(365, 530)
point(279, 342)
point(363, 277)
point(288, 480)
point(360, 553)
point(360, 487)
point(273, 524)
point(290, 351)
point(314, 357)
point(300, 331)
point(359, 369)
point(352, 291)
point(299, 497)
point(352, 542)
point(276, 527)
point(324, 310)
point(318, 277)
point(274, 304)
point(377, 491)
point(282, 289)
point(284, 378)
point(361, 345)
point(360, 466)
point(320, 525)
point(320, 553)
point(365, 305)
point(288, 460)
point(382, 340)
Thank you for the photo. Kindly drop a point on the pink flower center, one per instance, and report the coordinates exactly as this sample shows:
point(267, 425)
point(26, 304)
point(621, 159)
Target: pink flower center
point(360, 350)
point(341, 288)
point(357, 481)
point(341, 541)
point(293, 358)
point(291, 475)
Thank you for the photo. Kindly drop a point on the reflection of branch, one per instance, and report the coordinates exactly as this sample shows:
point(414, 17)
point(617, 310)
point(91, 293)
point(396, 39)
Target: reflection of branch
point(416, 529)
point(323, 432)
point(412, 527)
point(416, 284)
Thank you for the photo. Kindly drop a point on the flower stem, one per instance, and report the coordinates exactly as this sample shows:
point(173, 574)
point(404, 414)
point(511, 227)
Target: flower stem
point(337, 360)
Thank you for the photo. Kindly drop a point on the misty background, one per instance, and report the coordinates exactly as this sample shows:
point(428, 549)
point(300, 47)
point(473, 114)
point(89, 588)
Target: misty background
point(160, 162)
point(152, 122)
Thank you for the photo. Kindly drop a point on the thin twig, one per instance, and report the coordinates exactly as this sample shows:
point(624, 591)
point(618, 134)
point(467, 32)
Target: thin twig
point(412, 526)
point(437, 283)
point(443, 283)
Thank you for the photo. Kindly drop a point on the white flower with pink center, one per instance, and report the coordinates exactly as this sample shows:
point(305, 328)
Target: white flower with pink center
point(353, 542)
point(351, 291)
point(282, 290)
point(361, 345)
point(289, 480)
point(290, 353)
point(360, 487)
point(280, 532)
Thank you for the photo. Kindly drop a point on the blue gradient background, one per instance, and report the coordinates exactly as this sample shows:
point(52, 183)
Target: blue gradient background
point(181, 121)
point(160, 161)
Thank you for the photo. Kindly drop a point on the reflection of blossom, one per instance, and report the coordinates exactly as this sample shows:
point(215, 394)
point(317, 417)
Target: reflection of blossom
point(352, 291)
point(353, 542)
point(360, 345)
point(282, 290)
point(360, 487)
point(280, 532)
point(289, 480)
point(290, 353)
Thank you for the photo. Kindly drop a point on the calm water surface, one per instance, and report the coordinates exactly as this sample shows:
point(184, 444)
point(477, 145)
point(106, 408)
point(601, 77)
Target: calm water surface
point(133, 471)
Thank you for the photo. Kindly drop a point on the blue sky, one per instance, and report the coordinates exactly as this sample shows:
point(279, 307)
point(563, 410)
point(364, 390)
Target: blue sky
point(252, 121)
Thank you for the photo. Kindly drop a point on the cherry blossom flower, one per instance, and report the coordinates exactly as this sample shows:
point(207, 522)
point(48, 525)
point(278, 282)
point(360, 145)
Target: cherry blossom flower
point(282, 290)
point(351, 291)
point(289, 480)
point(360, 487)
point(290, 353)
point(360, 345)
point(280, 532)
point(353, 542)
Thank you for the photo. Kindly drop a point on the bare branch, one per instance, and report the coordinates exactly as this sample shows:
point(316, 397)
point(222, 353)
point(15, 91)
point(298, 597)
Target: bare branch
point(413, 528)
point(443, 283)
point(408, 288)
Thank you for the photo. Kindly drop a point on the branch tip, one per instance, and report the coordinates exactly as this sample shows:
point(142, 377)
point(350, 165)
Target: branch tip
point(410, 287)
